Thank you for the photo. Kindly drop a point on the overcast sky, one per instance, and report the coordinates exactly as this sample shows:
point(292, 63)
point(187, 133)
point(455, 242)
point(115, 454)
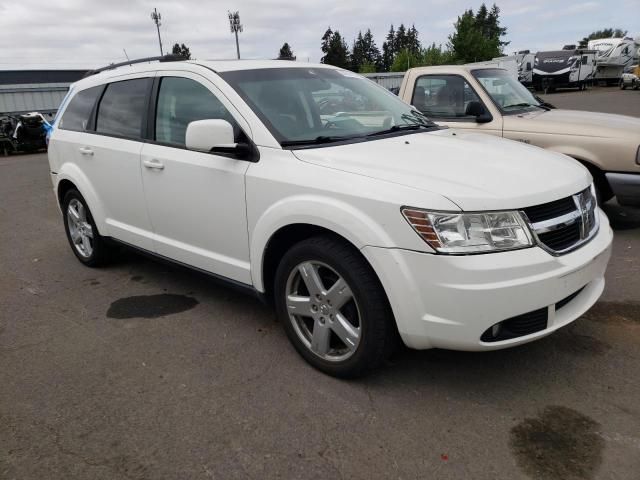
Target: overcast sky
point(91, 33)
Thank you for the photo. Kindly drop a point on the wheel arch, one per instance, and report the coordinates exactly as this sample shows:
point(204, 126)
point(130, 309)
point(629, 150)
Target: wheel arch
point(299, 216)
point(281, 241)
point(71, 177)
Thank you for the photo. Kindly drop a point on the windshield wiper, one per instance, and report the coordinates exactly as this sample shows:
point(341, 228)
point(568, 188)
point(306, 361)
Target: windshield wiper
point(522, 105)
point(317, 141)
point(402, 128)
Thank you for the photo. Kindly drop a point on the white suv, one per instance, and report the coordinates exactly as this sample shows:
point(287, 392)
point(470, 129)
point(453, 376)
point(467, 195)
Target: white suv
point(319, 190)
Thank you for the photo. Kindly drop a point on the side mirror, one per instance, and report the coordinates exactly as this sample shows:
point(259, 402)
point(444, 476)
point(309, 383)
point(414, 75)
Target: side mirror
point(216, 136)
point(204, 135)
point(528, 66)
point(476, 109)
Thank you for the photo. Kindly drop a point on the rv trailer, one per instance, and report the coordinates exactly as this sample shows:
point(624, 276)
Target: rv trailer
point(524, 60)
point(563, 69)
point(507, 62)
point(612, 56)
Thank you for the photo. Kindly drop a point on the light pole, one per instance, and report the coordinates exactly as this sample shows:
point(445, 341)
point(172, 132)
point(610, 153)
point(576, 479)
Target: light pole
point(156, 17)
point(236, 26)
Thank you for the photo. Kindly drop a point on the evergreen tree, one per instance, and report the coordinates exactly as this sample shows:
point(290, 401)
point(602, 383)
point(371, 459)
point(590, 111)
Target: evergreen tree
point(494, 31)
point(388, 50)
point(335, 49)
point(358, 53)
point(286, 53)
point(372, 53)
point(182, 50)
point(413, 42)
point(477, 37)
point(482, 20)
point(401, 41)
point(326, 38)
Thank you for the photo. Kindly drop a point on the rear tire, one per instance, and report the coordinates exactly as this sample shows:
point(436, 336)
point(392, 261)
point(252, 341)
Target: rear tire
point(86, 242)
point(333, 308)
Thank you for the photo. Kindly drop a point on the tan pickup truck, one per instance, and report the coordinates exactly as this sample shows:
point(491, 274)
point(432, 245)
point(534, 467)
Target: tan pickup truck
point(491, 101)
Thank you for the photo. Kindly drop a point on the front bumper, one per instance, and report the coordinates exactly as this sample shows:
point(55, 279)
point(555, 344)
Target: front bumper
point(626, 187)
point(442, 301)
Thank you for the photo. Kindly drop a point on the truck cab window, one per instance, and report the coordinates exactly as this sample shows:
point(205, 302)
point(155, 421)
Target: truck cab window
point(443, 96)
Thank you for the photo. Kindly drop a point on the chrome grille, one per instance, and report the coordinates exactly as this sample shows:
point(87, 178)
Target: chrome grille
point(563, 225)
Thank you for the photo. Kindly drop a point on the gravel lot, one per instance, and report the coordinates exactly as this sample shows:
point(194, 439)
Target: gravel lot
point(148, 371)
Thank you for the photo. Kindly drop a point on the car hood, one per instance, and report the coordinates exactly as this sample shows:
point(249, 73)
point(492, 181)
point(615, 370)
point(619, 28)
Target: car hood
point(575, 122)
point(475, 171)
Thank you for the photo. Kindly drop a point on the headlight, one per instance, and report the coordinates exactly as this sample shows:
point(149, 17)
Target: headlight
point(463, 233)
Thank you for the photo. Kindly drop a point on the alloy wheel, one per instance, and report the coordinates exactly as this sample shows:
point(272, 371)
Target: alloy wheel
point(80, 230)
point(323, 311)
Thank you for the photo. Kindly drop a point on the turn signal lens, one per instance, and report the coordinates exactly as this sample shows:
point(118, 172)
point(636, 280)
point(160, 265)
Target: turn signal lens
point(463, 233)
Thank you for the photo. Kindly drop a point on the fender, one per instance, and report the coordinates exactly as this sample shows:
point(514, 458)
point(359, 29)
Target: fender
point(577, 153)
point(70, 171)
point(334, 215)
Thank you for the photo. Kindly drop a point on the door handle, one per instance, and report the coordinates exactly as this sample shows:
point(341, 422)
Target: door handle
point(86, 151)
point(156, 164)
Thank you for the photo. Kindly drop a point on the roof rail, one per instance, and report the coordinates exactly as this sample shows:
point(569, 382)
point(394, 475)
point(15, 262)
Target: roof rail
point(164, 58)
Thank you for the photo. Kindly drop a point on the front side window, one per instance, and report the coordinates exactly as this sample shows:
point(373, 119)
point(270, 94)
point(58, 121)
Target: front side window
point(322, 105)
point(505, 91)
point(444, 96)
point(181, 101)
point(76, 116)
point(122, 108)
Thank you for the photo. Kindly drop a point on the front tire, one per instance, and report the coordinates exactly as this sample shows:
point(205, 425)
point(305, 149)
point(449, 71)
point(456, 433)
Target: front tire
point(333, 307)
point(86, 242)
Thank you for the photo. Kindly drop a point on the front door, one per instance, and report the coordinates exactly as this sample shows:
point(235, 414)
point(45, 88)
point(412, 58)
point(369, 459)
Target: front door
point(196, 201)
point(445, 98)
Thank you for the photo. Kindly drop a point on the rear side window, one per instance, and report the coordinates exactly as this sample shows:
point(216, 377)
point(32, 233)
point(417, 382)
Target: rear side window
point(122, 108)
point(76, 116)
point(181, 101)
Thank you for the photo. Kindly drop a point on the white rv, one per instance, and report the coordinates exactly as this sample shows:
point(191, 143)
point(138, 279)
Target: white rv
point(524, 60)
point(509, 63)
point(563, 69)
point(613, 55)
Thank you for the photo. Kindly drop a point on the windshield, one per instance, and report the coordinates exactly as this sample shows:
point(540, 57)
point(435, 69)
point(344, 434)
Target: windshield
point(323, 105)
point(507, 92)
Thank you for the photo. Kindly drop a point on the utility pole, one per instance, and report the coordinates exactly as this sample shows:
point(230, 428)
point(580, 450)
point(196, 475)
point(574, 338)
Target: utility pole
point(156, 17)
point(236, 26)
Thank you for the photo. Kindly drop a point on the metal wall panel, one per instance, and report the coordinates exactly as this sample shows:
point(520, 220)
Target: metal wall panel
point(32, 98)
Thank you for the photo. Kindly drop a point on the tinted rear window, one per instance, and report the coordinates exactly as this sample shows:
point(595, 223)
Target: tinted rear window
point(76, 116)
point(122, 107)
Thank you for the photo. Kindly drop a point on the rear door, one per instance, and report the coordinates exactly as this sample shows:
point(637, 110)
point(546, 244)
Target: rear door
point(196, 200)
point(106, 148)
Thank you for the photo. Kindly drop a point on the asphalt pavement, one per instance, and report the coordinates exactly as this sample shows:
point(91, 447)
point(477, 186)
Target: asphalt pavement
point(148, 371)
